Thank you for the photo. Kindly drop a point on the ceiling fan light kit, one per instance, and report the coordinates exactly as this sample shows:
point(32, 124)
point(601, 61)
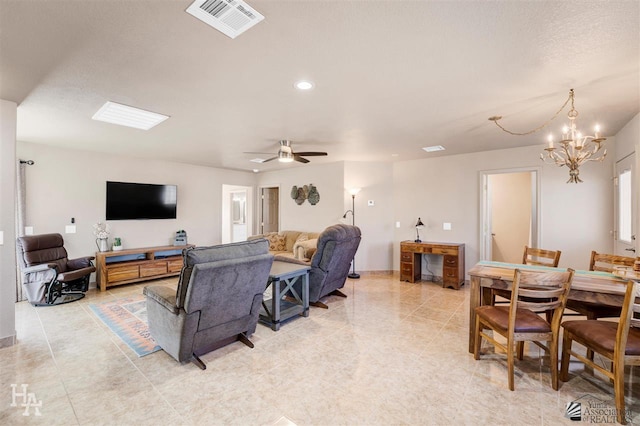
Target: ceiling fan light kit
point(286, 154)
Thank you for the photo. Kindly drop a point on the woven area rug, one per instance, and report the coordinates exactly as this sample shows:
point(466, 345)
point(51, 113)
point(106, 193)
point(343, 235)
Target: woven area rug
point(127, 318)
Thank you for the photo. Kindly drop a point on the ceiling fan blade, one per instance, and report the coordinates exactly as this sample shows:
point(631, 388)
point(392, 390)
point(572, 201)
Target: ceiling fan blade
point(310, 153)
point(270, 159)
point(300, 159)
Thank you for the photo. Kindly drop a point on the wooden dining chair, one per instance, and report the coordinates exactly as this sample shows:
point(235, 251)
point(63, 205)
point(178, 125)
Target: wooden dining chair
point(541, 257)
point(531, 256)
point(533, 292)
point(619, 342)
point(604, 263)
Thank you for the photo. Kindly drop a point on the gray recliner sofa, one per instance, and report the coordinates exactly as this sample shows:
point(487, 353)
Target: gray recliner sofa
point(337, 246)
point(217, 301)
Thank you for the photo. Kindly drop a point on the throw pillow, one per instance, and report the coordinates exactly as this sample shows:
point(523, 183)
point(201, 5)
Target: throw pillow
point(277, 242)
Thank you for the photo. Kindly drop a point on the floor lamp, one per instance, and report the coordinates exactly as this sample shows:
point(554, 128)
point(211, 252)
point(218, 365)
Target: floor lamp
point(353, 193)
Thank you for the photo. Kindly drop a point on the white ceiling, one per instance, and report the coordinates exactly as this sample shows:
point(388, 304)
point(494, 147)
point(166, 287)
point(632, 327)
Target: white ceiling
point(391, 76)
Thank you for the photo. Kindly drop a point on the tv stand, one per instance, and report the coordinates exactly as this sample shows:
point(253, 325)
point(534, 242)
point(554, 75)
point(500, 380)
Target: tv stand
point(135, 265)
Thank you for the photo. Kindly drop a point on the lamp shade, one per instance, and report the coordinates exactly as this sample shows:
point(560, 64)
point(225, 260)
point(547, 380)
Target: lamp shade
point(354, 191)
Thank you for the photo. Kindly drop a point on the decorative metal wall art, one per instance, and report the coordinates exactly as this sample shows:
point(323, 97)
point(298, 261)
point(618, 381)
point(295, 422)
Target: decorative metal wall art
point(306, 192)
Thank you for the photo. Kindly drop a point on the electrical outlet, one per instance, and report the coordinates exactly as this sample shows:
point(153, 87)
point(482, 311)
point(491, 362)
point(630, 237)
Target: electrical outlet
point(70, 229)
point(446, 226)
point(28, 230)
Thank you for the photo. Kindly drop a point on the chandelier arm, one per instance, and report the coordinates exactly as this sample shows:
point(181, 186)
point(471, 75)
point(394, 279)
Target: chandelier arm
point(496, 118)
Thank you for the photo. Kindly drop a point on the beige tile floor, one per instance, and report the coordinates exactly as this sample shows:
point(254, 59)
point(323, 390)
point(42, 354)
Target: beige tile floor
point(391, 353)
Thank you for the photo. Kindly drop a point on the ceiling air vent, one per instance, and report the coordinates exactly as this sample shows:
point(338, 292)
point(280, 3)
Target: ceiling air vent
point(231, 17)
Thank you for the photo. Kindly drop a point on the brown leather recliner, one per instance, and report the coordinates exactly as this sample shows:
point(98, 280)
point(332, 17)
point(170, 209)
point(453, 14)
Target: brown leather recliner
point(48, 276)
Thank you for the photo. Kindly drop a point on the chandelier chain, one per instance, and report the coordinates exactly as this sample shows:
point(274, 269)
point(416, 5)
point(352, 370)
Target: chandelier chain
point(542, 126)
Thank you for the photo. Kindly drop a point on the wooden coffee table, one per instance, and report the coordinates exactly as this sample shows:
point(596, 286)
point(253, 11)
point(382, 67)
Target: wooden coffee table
point(279, 308)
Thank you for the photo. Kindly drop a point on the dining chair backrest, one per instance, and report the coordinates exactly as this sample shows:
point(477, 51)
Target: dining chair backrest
point(606, 262)
point(541, 292)
point(536, 256)
point(629, 317)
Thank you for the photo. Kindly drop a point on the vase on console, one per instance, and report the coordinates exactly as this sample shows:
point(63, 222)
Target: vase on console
point(103, 244)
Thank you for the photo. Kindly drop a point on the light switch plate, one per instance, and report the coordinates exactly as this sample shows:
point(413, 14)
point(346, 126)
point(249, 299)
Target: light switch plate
point(397, 224)
point(70, 229)
point(1, 238)
point(446, 226)
point(371, 203)
point(28, 230)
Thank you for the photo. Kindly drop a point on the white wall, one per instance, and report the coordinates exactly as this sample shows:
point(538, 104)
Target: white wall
point(628, 139)
point(8, 114)
point(375, 181)
point(575, 218)
point(67, 183)
point(328, 179)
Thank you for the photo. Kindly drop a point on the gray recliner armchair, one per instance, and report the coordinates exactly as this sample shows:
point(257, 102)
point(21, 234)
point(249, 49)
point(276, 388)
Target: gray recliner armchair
point(48, 276)
point(217, 301)
point(337, 246)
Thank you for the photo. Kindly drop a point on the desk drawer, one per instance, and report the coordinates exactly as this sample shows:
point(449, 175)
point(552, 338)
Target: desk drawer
point(440, 250)
point(122, 273)
point(406, 268)
point(151, 269)
point(450, 275)
point(406, 257)
point(408, 247)
point(451, 261)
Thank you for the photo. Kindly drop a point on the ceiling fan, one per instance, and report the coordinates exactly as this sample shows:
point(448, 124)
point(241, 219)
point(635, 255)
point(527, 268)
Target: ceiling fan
point(285, 154)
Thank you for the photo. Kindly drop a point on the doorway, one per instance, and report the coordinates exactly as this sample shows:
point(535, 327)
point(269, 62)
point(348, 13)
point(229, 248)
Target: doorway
point(509, 213)
point(236, 213)
point(626, 206)
point(269, 209)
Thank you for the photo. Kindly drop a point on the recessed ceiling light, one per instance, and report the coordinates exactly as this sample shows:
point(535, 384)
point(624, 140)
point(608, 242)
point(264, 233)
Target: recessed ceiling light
point(124, 115)
point(394, 155)
point(304, 85)
point(257, 160)
point(255, 170)
point(434, 148)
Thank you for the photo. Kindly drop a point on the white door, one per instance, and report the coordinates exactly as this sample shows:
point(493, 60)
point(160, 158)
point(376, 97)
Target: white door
point(269, 210)
point(625, 207)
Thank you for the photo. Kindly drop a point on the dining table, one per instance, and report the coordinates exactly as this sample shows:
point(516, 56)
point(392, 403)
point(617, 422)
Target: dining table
point(603, 288)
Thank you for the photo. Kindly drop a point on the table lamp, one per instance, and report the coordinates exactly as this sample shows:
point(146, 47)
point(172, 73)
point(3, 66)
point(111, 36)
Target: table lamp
point(419, 226)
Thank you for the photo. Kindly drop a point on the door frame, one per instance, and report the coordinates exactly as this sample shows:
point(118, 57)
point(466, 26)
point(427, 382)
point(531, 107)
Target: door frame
point(485, 207)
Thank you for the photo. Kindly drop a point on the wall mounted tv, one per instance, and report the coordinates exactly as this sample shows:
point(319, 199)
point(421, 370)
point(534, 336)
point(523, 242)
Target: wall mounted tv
point(127, 200)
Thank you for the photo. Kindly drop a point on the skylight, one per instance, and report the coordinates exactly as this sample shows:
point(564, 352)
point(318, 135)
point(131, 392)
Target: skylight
point(124, 115)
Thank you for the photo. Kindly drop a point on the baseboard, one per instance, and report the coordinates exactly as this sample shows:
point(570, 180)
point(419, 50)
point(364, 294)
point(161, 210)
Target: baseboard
point(7, 341)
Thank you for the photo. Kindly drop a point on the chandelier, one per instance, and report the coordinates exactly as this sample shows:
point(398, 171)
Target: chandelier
point(574, 149)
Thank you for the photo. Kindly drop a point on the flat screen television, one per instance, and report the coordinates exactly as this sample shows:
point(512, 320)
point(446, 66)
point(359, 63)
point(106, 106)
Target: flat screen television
point(126, 200)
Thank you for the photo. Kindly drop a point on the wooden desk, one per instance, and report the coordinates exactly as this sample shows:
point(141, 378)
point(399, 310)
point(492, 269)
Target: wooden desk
point(452, 263)
point(587, 286)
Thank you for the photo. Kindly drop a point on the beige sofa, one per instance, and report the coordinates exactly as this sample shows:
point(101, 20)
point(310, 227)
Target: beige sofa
point(291, 246)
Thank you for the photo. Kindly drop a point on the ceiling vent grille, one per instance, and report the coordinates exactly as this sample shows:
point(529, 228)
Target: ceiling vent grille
point(230, 17)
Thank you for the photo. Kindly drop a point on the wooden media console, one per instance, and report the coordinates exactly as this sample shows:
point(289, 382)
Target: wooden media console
point(134, 265)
